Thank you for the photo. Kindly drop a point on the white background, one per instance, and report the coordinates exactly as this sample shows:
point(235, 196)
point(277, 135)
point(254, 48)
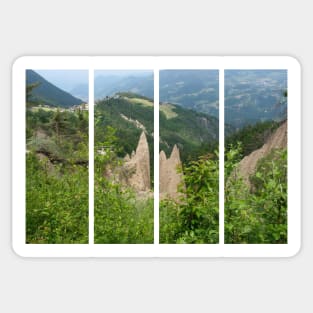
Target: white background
point(170, 27)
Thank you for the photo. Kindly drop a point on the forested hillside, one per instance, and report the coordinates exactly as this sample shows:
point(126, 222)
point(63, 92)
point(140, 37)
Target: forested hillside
point(251, 137)
point(194, 133)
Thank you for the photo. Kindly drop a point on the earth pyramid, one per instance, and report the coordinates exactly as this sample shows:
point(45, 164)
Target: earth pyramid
point(171, 176)
point(138, 166)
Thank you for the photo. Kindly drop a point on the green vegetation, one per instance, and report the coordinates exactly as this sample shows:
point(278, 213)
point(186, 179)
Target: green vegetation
point(194, 133)
point(56, 176)
point(56, 202)
point(256, 216)
point(253, 214)
point(252, 137)
point(194, 218)
point(121, 114)
point(167, 109)
point(121, 216)
point(259, 214)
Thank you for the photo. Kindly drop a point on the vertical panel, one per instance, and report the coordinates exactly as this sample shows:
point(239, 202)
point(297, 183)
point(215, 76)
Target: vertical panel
point(221, 154)
point(189, 165)
point(56, 157)
point(256, 156)
point(91, 156)
point(156, 158)
point(124, 127)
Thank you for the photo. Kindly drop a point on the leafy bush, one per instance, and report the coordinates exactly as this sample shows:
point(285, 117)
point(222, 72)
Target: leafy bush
point(120, 215)
point(195, 218)
point(258, 214)
point(56, 202)
point(56, 176)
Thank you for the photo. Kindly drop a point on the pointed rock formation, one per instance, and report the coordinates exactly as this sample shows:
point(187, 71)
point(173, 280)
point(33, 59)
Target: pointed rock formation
point(136, 169)
point(247, 166)
point(171, 177)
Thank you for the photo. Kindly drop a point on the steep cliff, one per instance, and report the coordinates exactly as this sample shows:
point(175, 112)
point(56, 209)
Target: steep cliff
point(278, 140)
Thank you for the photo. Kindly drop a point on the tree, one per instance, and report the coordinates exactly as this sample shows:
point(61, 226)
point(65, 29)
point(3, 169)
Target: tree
point(29, 96)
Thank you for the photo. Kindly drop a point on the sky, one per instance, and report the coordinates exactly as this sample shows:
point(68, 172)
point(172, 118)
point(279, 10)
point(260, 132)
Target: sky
point(65, 79)
point(122, 73)
point(69, 79)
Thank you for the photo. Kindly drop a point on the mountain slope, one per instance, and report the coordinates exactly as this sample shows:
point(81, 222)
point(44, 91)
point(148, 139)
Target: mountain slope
point(278, 140)
point(48, 94)
point(252, 137)
point(127, 117)
point(192, 89)
point(194, 133)
point(109, 85)
point(251, 96)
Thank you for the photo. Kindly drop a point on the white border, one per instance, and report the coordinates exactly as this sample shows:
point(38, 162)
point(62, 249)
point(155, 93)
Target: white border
point(91, 136)
point(221, 171)
point(156, 250)
point(156, 172)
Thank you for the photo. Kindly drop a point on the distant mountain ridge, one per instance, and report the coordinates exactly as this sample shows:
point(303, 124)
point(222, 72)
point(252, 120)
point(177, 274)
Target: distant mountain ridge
point(251, 96)
point(48, 94)
point(110, 85)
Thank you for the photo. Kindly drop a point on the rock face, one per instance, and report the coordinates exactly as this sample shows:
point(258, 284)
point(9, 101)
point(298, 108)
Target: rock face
point(136, 168)
point(278, 140)
point(135, 171)
point(171, 176)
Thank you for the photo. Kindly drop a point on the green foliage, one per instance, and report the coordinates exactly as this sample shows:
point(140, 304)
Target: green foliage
point(194, 133)
point(132, 95)
point(121, 216)
point(110, 112)
point(56, 202)
point(29, 89)
point(60, 135)
point(56, 176)
point(252, 137)
point(258, 215)
point(193, 219)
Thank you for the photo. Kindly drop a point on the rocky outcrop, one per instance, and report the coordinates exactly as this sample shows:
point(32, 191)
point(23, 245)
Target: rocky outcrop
point(135, 171)
point(247, 166)
point(171, 176)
